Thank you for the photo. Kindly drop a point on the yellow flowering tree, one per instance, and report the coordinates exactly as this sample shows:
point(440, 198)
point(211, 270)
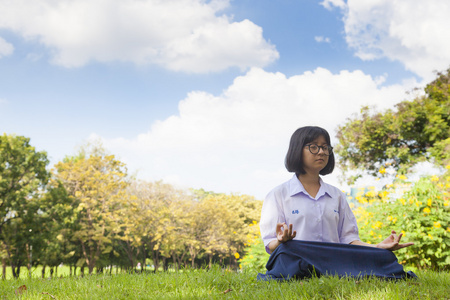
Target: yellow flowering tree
point(421, 213)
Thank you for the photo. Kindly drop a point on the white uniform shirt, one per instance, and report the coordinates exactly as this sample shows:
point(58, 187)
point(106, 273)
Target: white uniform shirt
point(325, 218)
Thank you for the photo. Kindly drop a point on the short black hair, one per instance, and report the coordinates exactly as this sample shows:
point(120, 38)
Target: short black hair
point(301, 137)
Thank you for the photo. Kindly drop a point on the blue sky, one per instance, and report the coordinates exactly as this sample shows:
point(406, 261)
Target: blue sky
point(206, 94)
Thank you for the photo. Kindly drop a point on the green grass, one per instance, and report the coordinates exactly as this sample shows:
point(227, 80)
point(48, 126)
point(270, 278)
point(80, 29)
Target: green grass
point(36, 272)
point(221, 284)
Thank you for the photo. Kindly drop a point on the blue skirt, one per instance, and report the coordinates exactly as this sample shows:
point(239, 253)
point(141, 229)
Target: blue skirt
point(303, 259)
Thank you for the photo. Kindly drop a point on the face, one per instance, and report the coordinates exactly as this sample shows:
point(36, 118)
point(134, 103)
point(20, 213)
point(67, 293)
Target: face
point(313, 163)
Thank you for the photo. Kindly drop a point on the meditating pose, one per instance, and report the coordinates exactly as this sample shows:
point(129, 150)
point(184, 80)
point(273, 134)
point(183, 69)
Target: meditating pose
point(305, 207)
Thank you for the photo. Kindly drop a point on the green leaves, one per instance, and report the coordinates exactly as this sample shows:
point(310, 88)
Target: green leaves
point(23, 172)
point(416, 130)
point(23, 177)
point(422, 214)
point(96, 187)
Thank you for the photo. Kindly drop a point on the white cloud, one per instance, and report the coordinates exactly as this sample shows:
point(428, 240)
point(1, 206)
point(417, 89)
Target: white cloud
point(321, 39)
point(5, 48)
point(413, 32)
point(236, 142)
point(328, 4)
point(182, 35)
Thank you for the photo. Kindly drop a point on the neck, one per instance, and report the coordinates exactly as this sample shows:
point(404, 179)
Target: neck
point(309, 179)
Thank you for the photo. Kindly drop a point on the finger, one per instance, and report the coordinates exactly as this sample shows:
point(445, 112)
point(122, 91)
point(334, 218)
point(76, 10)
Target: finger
point(290, 229)
point(280, 227)
point(281, 232)
point(405, 245)
point(285, 232)
point(294, 234)
point(394, 235)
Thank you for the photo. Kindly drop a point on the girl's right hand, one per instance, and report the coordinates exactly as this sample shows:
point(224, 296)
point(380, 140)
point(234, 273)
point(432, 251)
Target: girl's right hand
point(285, 233)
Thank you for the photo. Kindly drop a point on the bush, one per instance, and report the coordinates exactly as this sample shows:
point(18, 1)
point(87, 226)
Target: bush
point(255, 255)
point(421, 213)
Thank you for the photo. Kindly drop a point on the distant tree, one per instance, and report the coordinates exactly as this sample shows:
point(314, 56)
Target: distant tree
point(152, 220)
point(414, 131)
point(220, 223)
point(22, 173)
point(59, 223)
point(96, 185)
point(23, 176)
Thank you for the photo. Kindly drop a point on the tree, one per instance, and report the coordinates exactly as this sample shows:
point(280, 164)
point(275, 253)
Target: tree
point(221, 224)
point(22, 173)
point(414, 131)
point(59, 219)
point(23, 176)
point(155, 206)
point(97, 186)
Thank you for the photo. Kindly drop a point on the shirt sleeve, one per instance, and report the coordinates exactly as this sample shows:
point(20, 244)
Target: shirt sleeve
point(348, 227)
point(271, 214)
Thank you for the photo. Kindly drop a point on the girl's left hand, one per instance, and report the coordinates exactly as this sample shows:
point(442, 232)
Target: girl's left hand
point(393, 242)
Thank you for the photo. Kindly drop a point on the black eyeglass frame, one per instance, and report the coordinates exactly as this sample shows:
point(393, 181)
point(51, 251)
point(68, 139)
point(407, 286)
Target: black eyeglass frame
point(328, 148)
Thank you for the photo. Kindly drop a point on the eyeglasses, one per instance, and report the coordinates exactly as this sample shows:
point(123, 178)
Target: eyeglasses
point(314, 149)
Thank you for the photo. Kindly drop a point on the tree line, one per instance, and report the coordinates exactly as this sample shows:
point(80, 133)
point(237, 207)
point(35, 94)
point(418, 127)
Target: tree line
point(88, 213)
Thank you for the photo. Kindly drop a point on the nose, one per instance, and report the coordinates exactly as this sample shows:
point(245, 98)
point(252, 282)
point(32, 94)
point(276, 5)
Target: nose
point(321, 151)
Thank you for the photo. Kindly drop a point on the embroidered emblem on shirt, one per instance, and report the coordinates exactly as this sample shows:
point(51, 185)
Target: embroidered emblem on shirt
point(295, 212)
point(336, 211)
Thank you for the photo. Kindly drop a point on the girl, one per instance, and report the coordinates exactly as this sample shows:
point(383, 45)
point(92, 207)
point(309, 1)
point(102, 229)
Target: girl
point(305, 207)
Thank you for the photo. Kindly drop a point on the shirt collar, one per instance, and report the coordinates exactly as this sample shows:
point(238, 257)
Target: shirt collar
point(296, 187)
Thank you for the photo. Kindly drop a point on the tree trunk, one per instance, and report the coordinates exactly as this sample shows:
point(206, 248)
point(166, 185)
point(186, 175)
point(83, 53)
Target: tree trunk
point(3, 268)
point(193, 261)
point(175, 261)
point(91, 257)
point(43, 271)
point(156, 260)
point(181, 259)
point(91, 268)
point(16, 269)
point(165, 264)
point(11, 262)
point(144, 258)
point(28, 250)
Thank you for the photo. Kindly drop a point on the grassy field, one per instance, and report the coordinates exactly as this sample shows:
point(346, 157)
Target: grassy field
point(222, 284)
point(36, 272)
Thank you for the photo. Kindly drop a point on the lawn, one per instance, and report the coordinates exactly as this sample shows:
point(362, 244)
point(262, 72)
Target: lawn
point(223, 284)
